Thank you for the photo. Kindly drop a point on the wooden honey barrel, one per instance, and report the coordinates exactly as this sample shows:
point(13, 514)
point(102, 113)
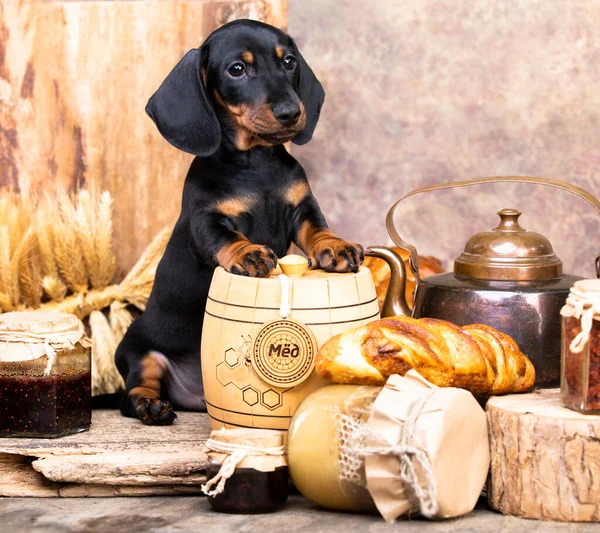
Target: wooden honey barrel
point(257, 366)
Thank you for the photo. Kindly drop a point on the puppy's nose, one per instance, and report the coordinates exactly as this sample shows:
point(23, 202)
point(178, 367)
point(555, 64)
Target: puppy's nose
point(286, 114)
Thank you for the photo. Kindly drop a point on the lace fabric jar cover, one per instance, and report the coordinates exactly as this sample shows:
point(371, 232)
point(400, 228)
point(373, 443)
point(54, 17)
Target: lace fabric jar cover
point(45, 375)
point(580, 369)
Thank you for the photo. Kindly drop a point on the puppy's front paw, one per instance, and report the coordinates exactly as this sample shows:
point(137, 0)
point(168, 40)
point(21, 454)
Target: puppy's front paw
point(254, 260)
point(154, 412)
point(337, 255)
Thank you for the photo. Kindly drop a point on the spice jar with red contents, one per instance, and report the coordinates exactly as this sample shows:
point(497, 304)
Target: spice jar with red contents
point(45, 375)
point(580, 374)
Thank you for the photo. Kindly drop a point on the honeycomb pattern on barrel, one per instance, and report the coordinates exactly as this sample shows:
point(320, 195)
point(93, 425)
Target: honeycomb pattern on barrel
point(232, 371)
point(271, 399)
point(250, 395)
point(232, 358)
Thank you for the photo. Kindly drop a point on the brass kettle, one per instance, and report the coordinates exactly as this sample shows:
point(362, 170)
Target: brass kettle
point(508, 278)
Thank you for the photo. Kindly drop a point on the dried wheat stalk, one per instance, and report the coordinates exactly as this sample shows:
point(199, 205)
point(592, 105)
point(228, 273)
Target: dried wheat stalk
point(56, 254)
point(105, 376)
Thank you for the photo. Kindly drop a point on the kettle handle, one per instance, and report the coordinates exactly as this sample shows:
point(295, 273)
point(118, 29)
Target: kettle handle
point(414, 257)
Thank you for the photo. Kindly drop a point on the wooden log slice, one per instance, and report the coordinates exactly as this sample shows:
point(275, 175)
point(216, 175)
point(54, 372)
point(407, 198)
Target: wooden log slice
point(545, 458)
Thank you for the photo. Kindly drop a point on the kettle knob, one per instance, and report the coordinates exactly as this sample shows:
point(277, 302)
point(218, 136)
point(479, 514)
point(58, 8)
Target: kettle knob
point(509, 220)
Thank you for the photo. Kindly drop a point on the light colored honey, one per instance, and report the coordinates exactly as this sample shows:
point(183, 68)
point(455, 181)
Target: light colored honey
point(318, 465)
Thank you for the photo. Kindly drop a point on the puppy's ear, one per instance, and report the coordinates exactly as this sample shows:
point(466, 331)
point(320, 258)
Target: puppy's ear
point(181, 109)
point(311, 93)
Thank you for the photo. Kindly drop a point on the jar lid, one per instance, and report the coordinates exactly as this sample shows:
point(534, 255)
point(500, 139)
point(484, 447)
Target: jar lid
point(255, 438)
point(39, 323)
point(584, 296)
point(587, 285)
point(508, 252)
point(261, 449)
point(34, 334)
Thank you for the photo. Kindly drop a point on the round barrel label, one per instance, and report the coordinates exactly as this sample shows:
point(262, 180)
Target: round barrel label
point(283, 353)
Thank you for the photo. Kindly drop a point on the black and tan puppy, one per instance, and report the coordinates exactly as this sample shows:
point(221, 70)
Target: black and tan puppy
point(232, 103)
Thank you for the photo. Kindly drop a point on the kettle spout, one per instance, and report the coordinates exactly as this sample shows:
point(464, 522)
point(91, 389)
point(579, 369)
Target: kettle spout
point(395, 299)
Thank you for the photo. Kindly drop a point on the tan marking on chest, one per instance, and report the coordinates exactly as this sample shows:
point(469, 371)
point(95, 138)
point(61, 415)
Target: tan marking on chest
point(296, 193)
point(235, 207)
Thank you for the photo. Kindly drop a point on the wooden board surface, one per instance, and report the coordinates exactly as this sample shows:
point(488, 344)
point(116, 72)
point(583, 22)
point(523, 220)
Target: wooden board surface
point(118, 456)
point(545, 458)
point(74, 80)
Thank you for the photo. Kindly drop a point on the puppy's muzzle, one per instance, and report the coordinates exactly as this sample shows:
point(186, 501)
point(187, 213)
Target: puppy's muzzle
point(287, 114)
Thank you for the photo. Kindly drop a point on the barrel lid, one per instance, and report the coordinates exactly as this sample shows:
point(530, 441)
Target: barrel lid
point(508, 252)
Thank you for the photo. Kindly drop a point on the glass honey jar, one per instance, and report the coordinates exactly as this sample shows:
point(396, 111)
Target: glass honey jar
point(580, 369)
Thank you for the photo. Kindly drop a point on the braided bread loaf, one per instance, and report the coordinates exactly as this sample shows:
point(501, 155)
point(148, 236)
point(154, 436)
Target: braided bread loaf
point(477, 357)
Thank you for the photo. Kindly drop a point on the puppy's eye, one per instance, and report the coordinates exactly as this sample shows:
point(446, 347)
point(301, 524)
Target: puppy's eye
point(289, 62)
point(236, 70)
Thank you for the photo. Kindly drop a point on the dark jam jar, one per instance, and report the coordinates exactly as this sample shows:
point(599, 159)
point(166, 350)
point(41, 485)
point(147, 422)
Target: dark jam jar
point(580, 370)
point(250, 491)
point(247, 471)
point(45, 378)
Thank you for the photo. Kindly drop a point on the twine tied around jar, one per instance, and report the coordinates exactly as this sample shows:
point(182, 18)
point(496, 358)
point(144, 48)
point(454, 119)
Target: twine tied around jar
point(425, 493)
point(585, 306)
point(52, 342)
point(235, 454)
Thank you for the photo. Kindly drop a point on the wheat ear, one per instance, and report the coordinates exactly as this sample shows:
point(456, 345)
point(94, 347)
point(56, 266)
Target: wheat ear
point(103, 241)
point(68, 253)
point(84, 217)
point(29, 274)
point(5, 272)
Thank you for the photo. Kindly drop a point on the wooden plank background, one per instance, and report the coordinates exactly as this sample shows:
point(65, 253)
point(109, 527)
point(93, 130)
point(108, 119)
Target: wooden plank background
point(74, 81)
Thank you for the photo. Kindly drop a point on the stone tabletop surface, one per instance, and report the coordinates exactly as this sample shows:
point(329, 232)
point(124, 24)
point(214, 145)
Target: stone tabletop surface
point(191, 513)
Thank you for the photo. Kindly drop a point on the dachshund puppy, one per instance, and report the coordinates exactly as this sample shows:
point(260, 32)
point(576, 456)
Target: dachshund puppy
point(232, 103)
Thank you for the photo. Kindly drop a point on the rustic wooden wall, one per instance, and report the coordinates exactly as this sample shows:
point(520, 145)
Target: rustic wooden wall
point(74, 80)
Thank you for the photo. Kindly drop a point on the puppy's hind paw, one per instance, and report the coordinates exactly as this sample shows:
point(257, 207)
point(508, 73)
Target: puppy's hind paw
point(155, 412)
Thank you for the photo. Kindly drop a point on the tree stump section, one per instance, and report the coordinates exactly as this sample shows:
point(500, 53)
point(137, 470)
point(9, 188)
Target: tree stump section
point(545, 458)
point(118, 457)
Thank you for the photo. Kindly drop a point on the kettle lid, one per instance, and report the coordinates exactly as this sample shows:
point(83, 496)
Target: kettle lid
point(508, 253)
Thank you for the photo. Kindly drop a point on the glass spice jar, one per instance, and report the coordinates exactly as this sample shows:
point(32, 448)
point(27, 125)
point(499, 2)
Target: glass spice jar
point(247, 471)
point(45, 375)
point(580, 369)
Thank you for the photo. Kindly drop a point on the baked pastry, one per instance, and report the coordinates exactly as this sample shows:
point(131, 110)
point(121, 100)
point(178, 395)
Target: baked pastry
point(477, 357)
point(380, 271)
